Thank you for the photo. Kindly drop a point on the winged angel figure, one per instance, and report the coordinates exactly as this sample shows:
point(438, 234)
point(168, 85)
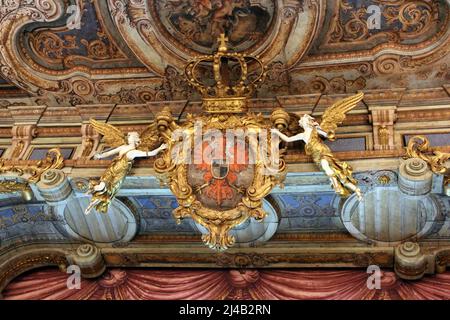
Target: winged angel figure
point(128, 148)
point(340, 173)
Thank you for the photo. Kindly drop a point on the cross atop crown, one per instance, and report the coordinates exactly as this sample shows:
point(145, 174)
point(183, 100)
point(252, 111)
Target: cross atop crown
point(222, 40)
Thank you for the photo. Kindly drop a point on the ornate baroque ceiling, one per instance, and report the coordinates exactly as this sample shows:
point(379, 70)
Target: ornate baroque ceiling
point(134, 51)
point(131, 54)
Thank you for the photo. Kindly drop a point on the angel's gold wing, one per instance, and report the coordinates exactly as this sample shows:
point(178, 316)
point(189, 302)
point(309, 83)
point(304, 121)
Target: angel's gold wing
point(112, 135)
point(149, 138)
point(335, 114)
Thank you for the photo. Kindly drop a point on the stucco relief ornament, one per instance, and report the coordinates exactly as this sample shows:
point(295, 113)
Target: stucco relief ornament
point(127, 147)
point(340, 173)
point(222, 163)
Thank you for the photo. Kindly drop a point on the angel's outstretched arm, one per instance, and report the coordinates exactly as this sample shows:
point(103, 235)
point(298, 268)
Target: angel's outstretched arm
point(142, 154)
point(284, 137)
point(107, 153)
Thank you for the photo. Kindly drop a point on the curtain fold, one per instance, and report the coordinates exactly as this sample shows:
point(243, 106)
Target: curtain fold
point(149, 284)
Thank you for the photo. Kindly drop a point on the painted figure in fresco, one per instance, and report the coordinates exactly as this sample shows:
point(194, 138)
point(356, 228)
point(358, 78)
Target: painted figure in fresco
point(202, 21)
point(340, 173)
point(127, 148)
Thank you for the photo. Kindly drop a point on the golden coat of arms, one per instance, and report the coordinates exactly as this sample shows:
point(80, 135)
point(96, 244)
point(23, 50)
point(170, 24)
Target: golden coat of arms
point(221, 164)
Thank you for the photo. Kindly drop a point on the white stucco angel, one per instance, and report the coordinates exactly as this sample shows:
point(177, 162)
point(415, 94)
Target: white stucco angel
point(340, 173)
point(127, 148)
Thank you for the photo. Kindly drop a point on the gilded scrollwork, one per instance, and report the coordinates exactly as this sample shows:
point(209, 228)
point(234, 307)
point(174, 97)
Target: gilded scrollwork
point(54, 48)
point(50, 46)
point(419, 147)
point(71, 67)
point(68, 47)
point(334, 85)
point(174, 173)
point(141, 94)
point(53, 160)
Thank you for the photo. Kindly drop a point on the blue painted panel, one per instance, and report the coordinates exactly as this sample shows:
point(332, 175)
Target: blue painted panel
point(40, 153)
point(347, 144)
point(436, 139)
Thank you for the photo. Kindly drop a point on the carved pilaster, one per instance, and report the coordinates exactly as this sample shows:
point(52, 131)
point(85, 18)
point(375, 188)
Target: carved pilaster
point(90, 138)
point(89, 143)
point(410, 263)
point(383, 119)
point(21, 139)
point(90, 261)
point(54, 186)
point(24, 130)
point(415, 178)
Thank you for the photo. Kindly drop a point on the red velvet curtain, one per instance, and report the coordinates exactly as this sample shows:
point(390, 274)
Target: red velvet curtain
point(223, 284)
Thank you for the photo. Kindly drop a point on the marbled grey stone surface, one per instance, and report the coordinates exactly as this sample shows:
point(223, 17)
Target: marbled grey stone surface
point(308, 207)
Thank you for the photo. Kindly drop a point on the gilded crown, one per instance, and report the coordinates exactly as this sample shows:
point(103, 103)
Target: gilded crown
point(222, 96)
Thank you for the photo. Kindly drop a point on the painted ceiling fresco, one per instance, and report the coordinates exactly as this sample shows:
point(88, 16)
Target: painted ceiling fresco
point(197, 24)
point(74, 52)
